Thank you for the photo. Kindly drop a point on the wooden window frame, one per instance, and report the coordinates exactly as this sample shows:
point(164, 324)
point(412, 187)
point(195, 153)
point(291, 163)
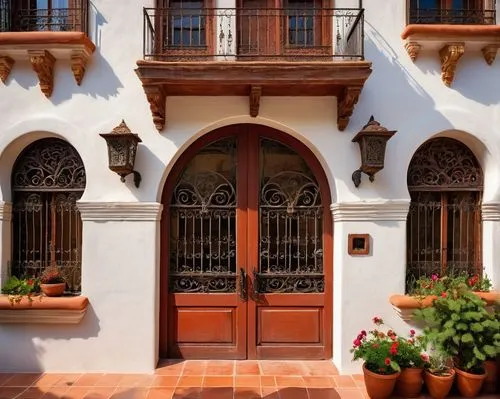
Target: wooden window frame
point(72, 18)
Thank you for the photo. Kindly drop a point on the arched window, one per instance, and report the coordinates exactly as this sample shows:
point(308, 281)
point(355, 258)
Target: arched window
point(47, 180)
point(445, 182)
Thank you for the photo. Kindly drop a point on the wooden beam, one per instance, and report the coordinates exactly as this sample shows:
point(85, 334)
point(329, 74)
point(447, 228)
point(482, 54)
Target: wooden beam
point(450, 54)
point(79, 59)
point(345, 105)
point(255, 93)
point(43, 64)
point(157, 98)
point(6, 64)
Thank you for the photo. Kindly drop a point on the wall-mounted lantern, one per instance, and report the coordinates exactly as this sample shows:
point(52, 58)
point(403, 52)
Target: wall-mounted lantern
point(372, 140)
point(122, 148)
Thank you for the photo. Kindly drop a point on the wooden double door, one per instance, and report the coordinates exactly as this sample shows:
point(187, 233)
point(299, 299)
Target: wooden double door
point(246, 250)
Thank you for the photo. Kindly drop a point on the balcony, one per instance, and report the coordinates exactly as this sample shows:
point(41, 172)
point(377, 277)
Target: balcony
point(254, 53)
point(42, 36)
point(451, 32)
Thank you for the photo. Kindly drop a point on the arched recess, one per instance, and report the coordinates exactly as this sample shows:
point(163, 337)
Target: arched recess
point(445, 181)
point(238, 187)
point(48, 177)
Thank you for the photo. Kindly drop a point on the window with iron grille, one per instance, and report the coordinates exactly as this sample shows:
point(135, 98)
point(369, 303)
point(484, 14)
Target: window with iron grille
point(445, 182)
point(47, 180)
point(468, 12)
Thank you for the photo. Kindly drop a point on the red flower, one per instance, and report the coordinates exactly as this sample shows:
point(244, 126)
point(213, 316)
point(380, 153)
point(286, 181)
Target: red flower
point(31, 281)
point(363, 333)
point(473, 280)
point(412, 332)
point(356, 342)
point(444, 295)
point(435, 277)
point(387, 361)
point(394, 348)
point(378, 321)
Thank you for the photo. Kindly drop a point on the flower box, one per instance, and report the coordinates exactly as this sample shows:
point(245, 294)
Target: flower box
point(405, 305)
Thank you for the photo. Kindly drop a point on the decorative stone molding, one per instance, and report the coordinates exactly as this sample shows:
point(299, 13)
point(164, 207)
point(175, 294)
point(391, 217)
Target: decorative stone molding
point(370, 211)
point(79, 59)
point(255, 93)
point(450, 54)
point(490, 53)
point(490, 212)
point(43, 64)
point(157, 98)
point(120, 211)
point(5, 211)
point(413, 48)
point(6, 64)
point(345, 105)
point(44, 310)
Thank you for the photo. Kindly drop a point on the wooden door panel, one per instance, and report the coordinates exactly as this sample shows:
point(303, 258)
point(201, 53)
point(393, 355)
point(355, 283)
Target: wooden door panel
point(205, 325)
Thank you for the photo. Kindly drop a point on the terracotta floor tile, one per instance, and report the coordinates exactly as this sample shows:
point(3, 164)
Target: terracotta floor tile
point(195, 367)
point(247, 368)
point(130, 393)
point(4, 377)
point(108, 380)
point(99, 393)
point(160, 393)
point(282, 368)
point(323, 393)
point(218, 381)
point(137, 380)
point(87, 380)
point(171, 368)
point(31, 393)
point(190, 381)
point(319, 382)
point(187, 393)
point(267, 381)
point(350, 393)
point(247, 381)
point(286, 381)
point(165, 381)
point(344, 381)
point(222, 369)
point(22, 380)
point(247, 393)
point(55, 392)
point(68, 380)
point(270, 392)
point(217, 393)
point(75, 393)
point(48, 380)
point(11, 392)
point(293, 393)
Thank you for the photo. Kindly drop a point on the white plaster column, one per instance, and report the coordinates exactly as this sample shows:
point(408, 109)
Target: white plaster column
point(491, 238)
point(5, 240)
point(363, 284)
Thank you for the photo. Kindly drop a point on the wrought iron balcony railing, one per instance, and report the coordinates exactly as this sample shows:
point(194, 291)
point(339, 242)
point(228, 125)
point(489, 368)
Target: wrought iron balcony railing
point(14, 19)
point(452, 16)
point(253, 34)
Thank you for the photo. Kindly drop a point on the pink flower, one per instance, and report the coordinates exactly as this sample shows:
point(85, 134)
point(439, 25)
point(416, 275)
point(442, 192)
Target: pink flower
point(377, 320)
point(356, 342)
point(387, 361)
point(412, 332)
point(424, 356)
point(434, 277)
point(363, 333)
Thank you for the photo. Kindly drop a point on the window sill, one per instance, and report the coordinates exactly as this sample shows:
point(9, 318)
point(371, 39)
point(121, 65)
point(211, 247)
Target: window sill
point(44, 310)
point(405, 305)
point(42, 49)
point(451, 41)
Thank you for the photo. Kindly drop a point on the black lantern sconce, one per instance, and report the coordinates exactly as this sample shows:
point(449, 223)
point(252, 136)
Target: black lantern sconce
point(122, 148)
point(372, 140)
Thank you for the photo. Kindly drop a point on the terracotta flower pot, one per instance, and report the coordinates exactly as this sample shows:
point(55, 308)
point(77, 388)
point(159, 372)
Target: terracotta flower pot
point(491, 381)
point(439, 386)
point(409, 382)
point(53, 289)
point(469, 384)
point(379, 386)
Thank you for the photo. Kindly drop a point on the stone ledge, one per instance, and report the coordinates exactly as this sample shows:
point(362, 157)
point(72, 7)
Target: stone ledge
point(365, 211)
point(44, 310)
point(120, 211)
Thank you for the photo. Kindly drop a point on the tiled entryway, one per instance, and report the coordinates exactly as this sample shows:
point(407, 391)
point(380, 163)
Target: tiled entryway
point(197, 380)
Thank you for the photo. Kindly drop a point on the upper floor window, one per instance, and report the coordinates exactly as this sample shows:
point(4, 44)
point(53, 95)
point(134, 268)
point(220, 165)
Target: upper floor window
point(445, 182)
point(185, 23)
point(47, 180)
point(463, 12)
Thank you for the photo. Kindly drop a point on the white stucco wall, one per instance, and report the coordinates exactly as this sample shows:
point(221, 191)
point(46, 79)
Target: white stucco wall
point(121, 252)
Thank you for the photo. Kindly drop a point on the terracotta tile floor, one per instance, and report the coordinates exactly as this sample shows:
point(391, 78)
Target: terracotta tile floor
point(197, 380)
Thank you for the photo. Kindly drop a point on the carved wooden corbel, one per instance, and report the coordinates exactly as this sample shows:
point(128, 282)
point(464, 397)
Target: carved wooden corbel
point(345, 105)
point(79, 59)
point(43, 64)
point(157, 97)
point(490, 53)
point(450, 54)
point(6, 64)
point(413, 48)
point(255, 93)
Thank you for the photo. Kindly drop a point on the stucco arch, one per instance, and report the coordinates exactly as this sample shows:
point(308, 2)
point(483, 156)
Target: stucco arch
point(255, 121)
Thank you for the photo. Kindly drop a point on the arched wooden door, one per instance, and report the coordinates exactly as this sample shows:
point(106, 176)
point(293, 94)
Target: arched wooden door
point(246, 250)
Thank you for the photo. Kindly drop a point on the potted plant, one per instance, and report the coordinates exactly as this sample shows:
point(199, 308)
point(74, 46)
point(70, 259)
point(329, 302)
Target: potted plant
point(439, 375)
point(491, 364)
point(459, 325)
point(18, 288)
point(411, 357)
point(378, 349)
point(52, 281)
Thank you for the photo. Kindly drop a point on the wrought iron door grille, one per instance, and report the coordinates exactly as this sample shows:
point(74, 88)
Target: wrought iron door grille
point(203, 223)
point(454, 16)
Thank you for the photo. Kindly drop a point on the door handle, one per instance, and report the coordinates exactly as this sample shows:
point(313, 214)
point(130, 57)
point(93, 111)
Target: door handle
point(243, 285)
point(255, 282)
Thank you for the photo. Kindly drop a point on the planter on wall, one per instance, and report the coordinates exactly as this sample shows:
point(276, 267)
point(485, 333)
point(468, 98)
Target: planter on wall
point(379, 386)
point(405, 305)
point(53, 289)
point(439, 386)
point(469, 385)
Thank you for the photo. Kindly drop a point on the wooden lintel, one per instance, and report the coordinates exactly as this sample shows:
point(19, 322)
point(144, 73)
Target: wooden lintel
point(255, 93)
point(346, 101)
point(156, 95)
point(43, 64)
point(6, 64)
point(450, 54)
point(79, 59)
point(490, 53)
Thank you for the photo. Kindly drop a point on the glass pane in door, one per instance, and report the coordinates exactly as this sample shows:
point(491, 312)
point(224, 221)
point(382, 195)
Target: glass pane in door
point(203, 222)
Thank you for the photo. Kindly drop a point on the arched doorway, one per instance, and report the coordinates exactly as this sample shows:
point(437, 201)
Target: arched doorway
point(247, 250)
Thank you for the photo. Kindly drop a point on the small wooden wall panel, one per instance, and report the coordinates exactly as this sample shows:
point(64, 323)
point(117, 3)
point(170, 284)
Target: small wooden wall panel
point(205, 325)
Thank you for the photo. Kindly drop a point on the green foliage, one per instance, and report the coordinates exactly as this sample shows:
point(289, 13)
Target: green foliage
point(460, 326)
point(440, 364)
point(18, 288)
point(435, 285)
